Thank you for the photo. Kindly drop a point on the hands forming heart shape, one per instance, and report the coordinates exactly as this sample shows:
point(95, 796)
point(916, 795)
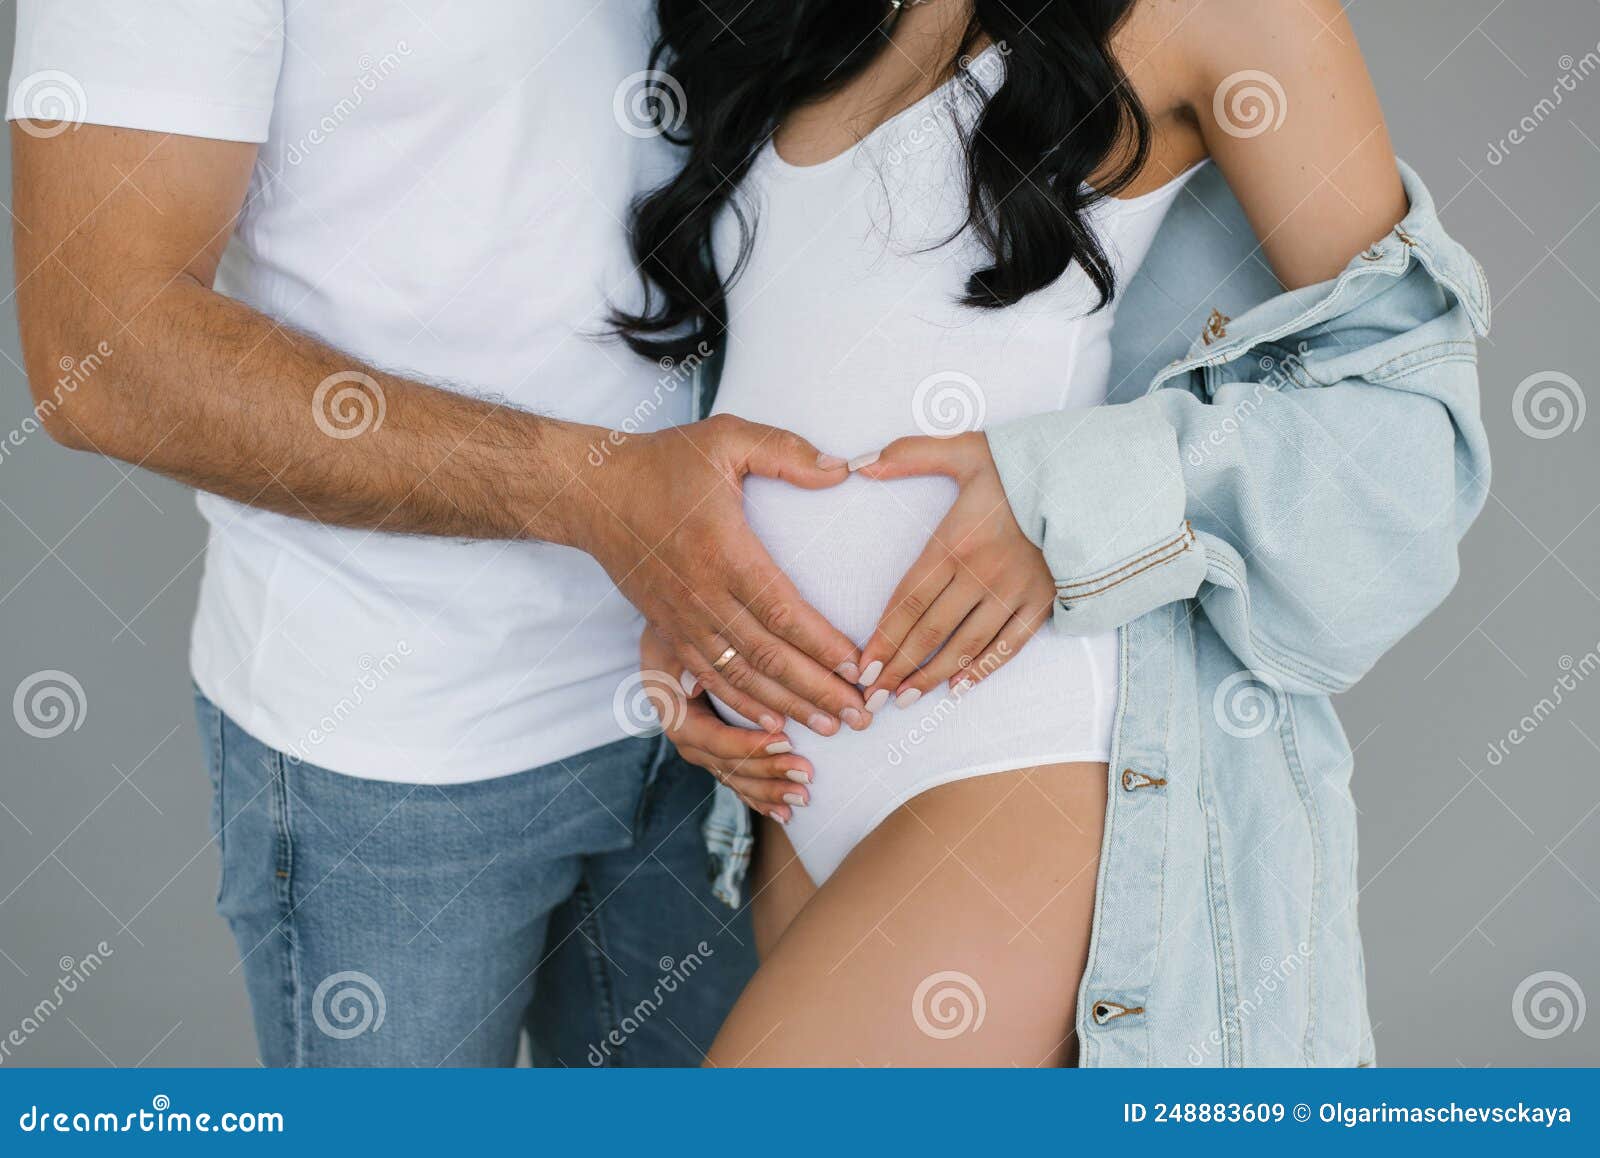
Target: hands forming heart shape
point(977, 593)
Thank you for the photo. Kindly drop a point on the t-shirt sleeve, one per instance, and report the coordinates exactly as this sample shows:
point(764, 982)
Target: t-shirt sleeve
point(202, 68)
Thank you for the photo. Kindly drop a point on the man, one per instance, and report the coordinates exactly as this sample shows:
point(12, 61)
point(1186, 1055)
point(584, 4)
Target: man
point(352, 262)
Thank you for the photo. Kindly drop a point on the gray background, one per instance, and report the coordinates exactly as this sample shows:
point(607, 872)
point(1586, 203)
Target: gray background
point(1475, 876)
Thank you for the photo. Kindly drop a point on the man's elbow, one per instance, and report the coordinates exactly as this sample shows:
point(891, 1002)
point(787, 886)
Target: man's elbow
point(69, 379)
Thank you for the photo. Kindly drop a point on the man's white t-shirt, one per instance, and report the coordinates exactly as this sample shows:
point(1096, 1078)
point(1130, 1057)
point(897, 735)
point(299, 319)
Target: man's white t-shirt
point(441, 192)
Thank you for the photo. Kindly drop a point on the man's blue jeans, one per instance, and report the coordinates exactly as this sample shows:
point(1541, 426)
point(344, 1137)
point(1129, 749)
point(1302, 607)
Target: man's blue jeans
point(400, 924)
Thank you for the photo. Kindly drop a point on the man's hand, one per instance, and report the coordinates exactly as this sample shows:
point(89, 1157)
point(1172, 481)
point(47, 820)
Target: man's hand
point(666, 520)
point(760, 766)
point(980, 587)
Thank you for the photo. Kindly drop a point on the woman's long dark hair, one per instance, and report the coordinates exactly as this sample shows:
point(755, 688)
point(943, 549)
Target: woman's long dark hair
point(737, 67)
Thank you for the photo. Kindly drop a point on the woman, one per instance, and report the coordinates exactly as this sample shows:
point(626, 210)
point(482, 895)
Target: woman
point(898, 209)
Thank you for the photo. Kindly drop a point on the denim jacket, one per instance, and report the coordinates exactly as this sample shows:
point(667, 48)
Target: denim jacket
point(1272, 496)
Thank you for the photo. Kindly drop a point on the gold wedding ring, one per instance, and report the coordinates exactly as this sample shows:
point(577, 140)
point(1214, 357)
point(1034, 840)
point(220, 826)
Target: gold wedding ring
point(723, 660)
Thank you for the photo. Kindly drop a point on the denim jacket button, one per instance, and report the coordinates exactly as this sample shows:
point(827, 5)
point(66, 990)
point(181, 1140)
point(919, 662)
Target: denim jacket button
point(1105, 1011)
point(1216, 327)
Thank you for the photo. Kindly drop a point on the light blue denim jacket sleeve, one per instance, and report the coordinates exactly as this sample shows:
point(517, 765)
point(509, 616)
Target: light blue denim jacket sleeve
point(1305, 470)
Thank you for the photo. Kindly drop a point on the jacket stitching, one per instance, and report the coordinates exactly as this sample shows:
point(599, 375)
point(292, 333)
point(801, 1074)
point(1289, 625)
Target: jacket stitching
point(1167, 746)
point(1377, 377)
point(1187, 532)
point(1327, 682)
point(1221, 929)
point(1068, 598)
point(1222, 939)
point(1406, 361)
point(1069, 601)
point(1474, 303)
point(1288, 736)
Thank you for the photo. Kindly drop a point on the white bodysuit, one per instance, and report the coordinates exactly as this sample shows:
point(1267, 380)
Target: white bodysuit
point(846, 328)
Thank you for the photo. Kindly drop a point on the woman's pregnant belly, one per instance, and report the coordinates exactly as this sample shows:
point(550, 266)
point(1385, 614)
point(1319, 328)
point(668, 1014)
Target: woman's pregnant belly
point(852, 379)
point(846, 550)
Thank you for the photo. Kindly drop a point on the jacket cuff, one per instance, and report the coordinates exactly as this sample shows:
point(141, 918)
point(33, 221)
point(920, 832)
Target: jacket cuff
point(1100, 491)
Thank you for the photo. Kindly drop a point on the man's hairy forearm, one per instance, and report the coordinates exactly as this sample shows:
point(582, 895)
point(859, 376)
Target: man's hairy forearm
point(208, 391)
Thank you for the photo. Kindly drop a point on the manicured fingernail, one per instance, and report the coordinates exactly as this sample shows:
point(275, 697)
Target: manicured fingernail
point(823, 725)
point(770, 723)
point(795, 799)
point(830, 461)
point(688, 683)
point(908, 697)
point(779, 817)
point(799, 775)
point(877, 699)
point(849, 671)
point(781, 748)
point(871, 672)
point(855, 718)
point(862, 460)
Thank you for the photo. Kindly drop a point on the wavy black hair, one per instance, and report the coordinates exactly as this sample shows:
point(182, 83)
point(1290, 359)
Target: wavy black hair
point(1063, 111)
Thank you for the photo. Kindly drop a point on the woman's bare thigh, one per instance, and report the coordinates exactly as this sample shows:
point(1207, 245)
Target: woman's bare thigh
point(955, 934)
point(779, 884)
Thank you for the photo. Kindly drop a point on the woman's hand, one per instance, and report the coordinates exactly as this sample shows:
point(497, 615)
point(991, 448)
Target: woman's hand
point(980, 587)
point(760, 766)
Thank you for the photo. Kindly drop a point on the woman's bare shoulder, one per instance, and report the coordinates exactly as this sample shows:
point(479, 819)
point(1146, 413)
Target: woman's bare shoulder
point(1278, 94)
point(1178, 51)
